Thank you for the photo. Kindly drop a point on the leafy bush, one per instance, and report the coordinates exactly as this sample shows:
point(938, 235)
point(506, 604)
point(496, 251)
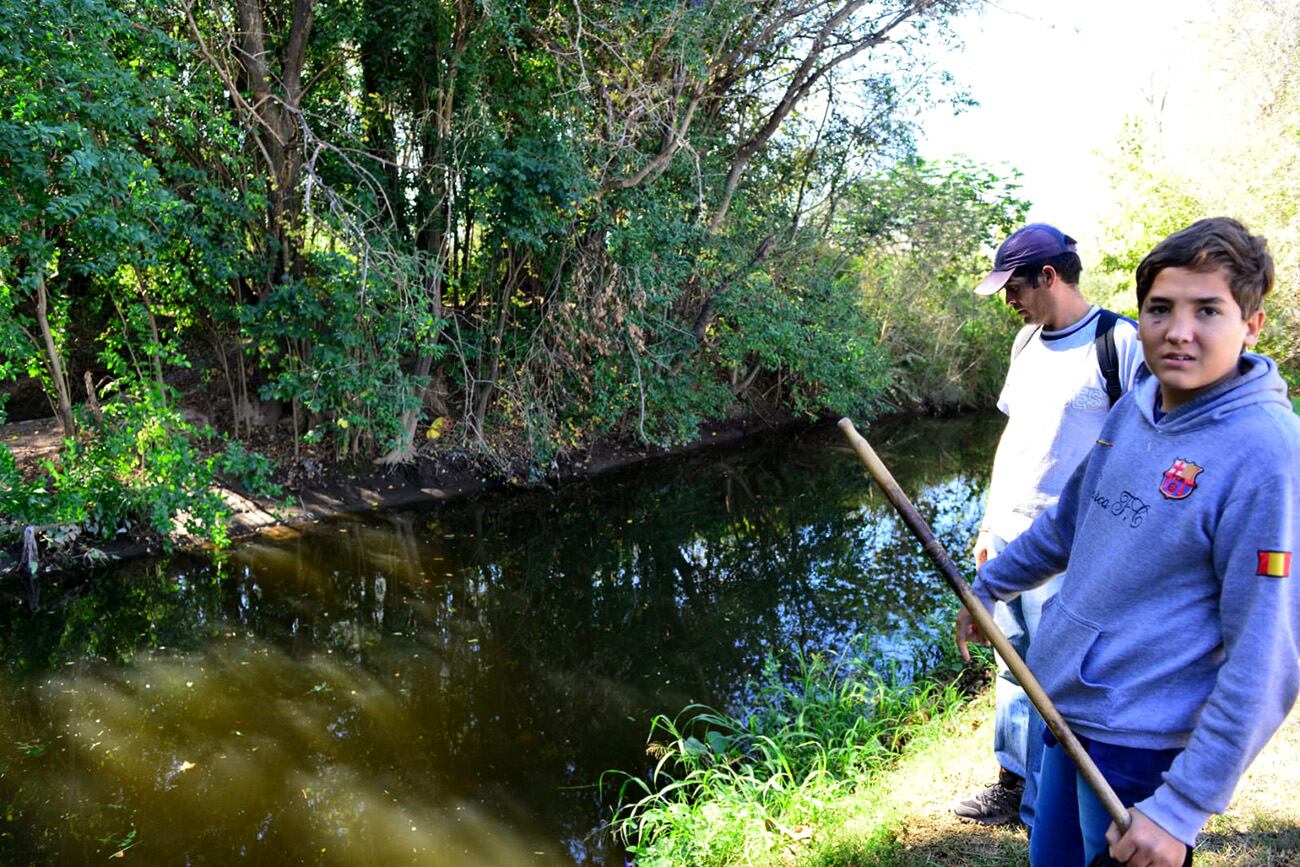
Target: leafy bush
point(927, 229)
point(140, 471)
point(249, 470)
point(813, 336)
point(326, 344)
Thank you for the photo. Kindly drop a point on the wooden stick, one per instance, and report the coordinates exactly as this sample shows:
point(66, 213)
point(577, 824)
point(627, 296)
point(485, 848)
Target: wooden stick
point(981, 616)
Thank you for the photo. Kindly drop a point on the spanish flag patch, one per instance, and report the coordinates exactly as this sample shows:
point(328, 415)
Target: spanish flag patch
point(1274, 564)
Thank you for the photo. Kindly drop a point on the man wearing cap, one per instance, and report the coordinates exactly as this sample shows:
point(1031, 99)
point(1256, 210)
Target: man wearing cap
point(1069, 364)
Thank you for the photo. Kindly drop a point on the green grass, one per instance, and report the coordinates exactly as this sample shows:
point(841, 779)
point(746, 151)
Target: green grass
point(876, 793)
point(725, 790)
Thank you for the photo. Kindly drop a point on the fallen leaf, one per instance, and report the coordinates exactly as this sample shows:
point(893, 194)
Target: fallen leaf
point(798, 834)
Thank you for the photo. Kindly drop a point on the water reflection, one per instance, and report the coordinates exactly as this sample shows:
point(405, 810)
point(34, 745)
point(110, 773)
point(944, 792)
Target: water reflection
point(444, 686)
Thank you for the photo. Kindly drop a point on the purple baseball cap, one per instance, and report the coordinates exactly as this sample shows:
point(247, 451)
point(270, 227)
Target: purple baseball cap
point(1036, 242)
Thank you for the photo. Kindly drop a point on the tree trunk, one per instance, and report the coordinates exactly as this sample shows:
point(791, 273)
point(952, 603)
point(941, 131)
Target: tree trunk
point(155, 361)
point(276, 121)
point(404, 451)
point(62, 391)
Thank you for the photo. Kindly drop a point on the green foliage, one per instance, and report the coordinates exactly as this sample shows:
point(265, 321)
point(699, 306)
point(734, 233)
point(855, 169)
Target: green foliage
point(727, 790)
point(1236, 153)
point(331, 349)
point(1156, 201)
point(10, 477)
point(924, 230)
point(86, 204)
point(251, 471)
point(816, 336)
point(139, 471)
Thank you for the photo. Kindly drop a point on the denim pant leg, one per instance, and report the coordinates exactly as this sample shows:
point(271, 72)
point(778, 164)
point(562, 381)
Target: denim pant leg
point(1133, 773)
point(1017, 726)
point(1071, 822)
point(1031, 610)
point(1057, 840)
point(1010, 726)
point(1011, 706)
point(1093, 820)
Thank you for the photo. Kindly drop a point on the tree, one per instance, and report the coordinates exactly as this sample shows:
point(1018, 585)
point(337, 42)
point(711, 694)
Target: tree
point(1236, 153)
point(924, 230)
point(79, 197)
point(552, 221)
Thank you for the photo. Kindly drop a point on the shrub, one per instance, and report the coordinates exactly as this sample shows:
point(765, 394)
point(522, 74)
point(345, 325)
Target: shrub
point(140, 470)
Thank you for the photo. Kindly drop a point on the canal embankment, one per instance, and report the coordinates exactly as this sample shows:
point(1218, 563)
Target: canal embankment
point(309, 487)
point(901, 817)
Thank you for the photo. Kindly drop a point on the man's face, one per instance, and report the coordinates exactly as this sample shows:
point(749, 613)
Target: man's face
point(1192, 332)
point(1030, 302)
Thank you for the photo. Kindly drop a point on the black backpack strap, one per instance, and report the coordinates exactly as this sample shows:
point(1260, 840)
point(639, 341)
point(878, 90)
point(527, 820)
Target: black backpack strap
point(1107, 355)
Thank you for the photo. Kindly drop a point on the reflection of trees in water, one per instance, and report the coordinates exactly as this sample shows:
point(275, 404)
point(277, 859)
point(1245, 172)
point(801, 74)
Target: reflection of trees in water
point(535, 635)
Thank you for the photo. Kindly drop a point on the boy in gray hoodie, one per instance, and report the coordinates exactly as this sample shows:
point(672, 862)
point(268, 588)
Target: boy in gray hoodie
point(1172, 646)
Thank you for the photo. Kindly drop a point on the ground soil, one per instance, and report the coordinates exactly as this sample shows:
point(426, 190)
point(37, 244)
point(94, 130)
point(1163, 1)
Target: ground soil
point(30, 440)
point(1261, 827)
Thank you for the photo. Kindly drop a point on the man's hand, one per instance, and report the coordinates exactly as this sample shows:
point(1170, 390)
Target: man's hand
point(981, 549)
point(968, 631)
point(1145, 844)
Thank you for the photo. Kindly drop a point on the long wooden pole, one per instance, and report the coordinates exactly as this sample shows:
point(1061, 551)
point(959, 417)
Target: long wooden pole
point(981, 616)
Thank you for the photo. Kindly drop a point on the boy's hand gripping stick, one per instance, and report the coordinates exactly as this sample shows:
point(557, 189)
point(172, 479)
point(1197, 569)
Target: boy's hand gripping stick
point(984, 620)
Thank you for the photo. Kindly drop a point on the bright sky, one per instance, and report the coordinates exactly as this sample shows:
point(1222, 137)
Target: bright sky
point(1055, 80)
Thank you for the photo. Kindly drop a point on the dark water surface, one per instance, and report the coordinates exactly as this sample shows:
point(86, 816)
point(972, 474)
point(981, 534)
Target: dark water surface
point(444, 686)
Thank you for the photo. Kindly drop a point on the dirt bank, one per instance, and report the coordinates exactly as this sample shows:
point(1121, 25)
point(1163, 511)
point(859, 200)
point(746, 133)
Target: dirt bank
point(315, 488)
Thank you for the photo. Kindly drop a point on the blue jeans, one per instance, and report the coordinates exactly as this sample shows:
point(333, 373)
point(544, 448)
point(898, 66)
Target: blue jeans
point(1070, 823)
point(1017, 727)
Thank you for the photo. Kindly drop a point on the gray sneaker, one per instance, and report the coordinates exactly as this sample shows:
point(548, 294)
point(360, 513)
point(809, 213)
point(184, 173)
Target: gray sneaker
point(999, 804)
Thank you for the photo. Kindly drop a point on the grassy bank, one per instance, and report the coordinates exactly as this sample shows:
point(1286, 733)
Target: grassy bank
point(900, 817)
point(772, 786)
point(886, 800)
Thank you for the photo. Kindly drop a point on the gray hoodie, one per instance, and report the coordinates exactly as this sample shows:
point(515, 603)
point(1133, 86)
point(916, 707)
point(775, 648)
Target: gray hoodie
point(1178, 623)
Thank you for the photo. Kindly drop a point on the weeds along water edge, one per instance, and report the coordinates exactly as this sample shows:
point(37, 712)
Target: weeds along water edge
point(751, 788)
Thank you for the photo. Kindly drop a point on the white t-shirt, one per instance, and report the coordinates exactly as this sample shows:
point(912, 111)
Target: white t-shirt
point(1055, 402)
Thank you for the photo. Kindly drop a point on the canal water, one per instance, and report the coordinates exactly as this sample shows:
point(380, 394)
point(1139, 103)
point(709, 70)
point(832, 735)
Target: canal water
point(445, 686)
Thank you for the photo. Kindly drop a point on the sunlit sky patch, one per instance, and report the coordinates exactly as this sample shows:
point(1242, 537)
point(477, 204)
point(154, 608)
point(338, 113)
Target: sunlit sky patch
point(1055, 81)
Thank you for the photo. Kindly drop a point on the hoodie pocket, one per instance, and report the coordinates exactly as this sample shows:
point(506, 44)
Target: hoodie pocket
point(1065, 656)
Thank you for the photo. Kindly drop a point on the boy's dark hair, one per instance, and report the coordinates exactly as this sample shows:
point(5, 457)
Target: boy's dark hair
point(1208, 245)
point(1067, 266)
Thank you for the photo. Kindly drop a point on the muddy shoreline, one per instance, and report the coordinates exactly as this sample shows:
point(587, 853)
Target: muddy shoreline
point(458, 474)
point(331, 491)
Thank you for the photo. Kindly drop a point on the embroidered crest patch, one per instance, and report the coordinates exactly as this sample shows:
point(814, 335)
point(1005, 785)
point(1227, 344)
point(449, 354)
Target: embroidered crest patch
point(1180, 479)
point(1274, 564)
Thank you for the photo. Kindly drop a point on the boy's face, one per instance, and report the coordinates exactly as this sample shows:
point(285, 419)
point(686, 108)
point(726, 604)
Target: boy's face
point(1193, 333)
